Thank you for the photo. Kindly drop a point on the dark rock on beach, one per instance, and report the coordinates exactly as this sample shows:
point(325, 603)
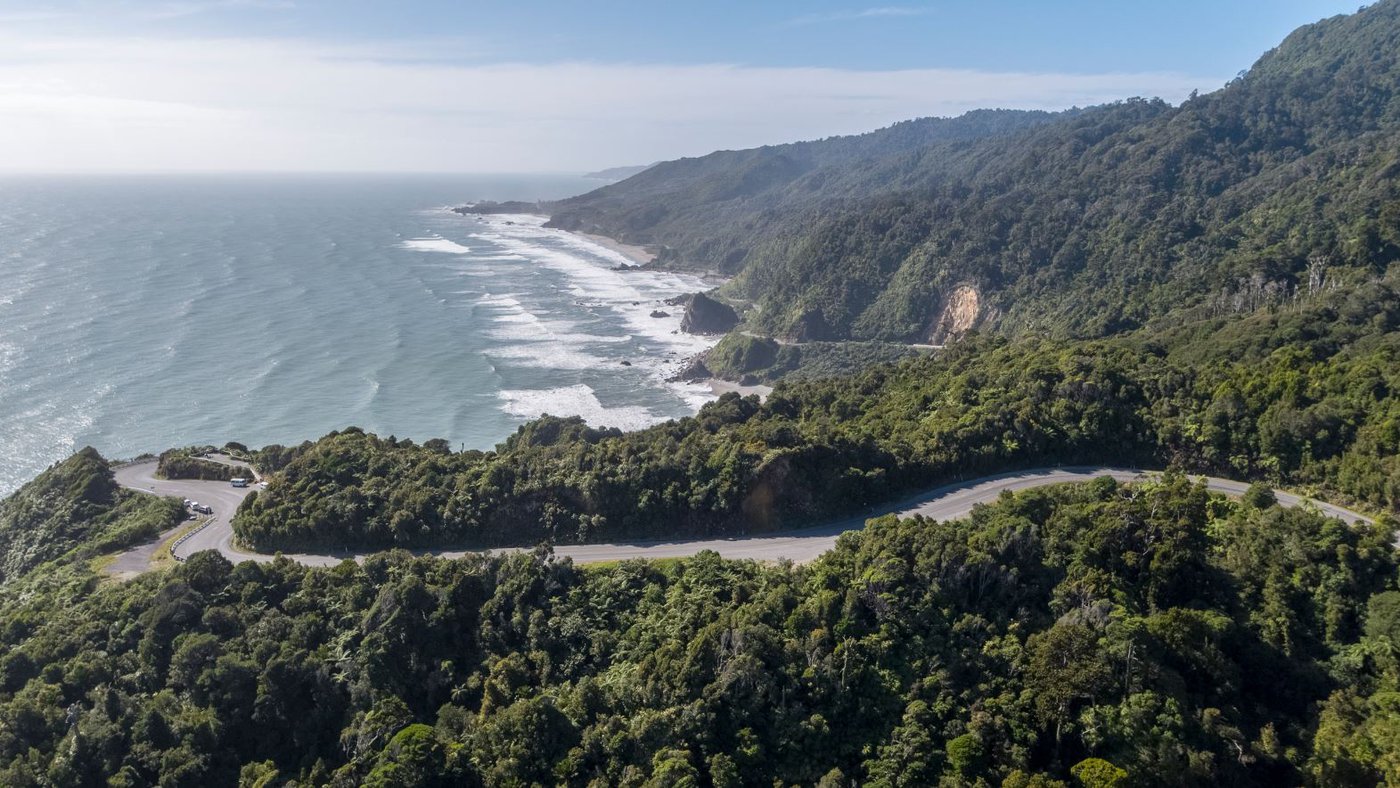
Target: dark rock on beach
point(694, 370)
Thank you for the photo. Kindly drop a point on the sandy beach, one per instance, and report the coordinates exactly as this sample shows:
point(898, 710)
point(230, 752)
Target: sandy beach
point(724, 386)
point(634, 253)
point(637, 254)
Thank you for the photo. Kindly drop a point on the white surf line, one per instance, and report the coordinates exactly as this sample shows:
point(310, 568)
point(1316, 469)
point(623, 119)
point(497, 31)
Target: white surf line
point(434, 244)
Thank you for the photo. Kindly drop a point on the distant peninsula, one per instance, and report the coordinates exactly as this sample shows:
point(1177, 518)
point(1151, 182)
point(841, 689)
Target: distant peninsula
point(509, 206)
point(618, 173)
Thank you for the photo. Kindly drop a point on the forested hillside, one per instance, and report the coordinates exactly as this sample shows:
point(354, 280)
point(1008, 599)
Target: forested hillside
point(1303, 395)
point(1207, 288)
point(1100, 635)
point(75, 505)
point(702, 212)
point(1085, 225)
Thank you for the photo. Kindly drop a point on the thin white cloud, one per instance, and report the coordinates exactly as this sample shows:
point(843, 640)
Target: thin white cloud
point(878, 12)
point(115, 104)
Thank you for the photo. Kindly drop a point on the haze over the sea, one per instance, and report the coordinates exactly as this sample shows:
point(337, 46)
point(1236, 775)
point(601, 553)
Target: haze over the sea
point(140, 313)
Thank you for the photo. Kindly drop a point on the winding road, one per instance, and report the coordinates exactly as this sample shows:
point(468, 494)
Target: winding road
point(216, 533)
point(948, 502)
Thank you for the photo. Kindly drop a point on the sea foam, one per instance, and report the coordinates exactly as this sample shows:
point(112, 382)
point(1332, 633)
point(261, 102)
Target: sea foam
point(435, 245)
point(602, 284)
point(578, 400)
point(633, 295)
point(142, 315)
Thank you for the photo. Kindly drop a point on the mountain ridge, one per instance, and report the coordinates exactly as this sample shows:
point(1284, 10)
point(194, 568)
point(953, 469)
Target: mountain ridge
point(726, 184)
point(1085, 223)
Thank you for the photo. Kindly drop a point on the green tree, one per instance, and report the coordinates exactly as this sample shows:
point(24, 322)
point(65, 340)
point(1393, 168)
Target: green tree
point(1098, 773)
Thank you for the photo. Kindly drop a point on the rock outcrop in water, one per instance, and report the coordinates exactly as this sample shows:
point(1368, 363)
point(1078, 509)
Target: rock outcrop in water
point(705, 315)
point(487, 207)
point(694, 370)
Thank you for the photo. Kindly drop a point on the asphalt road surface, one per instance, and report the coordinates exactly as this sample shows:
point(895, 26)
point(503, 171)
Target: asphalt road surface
point(222, 497)
point(948, 502)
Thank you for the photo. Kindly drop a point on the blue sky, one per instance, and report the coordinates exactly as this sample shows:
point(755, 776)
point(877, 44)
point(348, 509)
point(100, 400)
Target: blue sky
point(553, 86)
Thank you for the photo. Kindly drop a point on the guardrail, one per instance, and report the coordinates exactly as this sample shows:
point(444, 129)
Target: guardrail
point(185, 537)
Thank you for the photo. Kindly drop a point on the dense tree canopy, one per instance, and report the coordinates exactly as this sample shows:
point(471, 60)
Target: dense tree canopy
point(1093, 633)
point(751, 359)
point(1303, 395)
point(702, 212)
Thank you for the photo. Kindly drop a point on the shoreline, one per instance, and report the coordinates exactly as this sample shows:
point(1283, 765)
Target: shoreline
point(636, 254)
point(708, 389)
point(720, 387)
point(665, 366)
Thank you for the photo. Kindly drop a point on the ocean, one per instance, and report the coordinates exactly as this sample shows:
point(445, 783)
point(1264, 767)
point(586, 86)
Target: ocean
point(139, 313)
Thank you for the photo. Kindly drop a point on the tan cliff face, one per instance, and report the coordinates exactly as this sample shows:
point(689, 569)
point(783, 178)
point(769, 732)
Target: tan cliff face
point(960, 311)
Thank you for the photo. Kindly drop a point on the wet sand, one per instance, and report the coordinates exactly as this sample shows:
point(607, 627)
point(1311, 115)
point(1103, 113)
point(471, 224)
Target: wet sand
point(635, 253)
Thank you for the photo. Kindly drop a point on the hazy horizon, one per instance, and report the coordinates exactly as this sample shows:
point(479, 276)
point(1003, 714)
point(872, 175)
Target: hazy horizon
point(276, 86)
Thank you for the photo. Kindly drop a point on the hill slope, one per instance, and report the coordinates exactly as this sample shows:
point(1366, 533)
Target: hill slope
point(702, 212)
point(75, 505)
point(1302, 395)
point(1082, 224)
point(1150, 635)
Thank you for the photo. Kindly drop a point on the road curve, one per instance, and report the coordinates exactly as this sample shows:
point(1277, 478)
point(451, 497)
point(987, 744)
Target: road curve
point(223, 498)
point(947, 502)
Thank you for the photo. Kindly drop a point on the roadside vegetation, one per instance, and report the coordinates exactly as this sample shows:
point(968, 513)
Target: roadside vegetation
point(1303, 395)
point(189, 464)
point(1146, 634)
point(75, 511)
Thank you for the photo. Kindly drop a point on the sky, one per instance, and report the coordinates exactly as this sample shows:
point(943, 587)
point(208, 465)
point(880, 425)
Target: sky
point(567, 85)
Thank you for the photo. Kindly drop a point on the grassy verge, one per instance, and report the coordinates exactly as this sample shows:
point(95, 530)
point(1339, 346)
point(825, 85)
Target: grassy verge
point(165, 553)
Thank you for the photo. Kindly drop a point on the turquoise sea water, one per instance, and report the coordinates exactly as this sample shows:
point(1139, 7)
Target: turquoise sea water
point(139, 313)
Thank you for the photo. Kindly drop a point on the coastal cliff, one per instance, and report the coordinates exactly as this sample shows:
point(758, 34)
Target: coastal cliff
point(705, 315)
